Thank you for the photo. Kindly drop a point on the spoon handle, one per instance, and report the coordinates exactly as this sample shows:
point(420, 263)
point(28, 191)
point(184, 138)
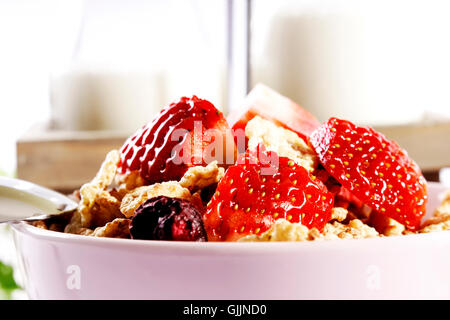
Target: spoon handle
point(60, 217)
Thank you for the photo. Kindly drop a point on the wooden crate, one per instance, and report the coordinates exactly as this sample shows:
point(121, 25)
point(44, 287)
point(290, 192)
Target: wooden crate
point(65, 160)
point(428, 144)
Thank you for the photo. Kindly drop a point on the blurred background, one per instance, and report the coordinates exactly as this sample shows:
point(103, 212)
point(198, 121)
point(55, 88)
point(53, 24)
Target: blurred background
point(77, 77)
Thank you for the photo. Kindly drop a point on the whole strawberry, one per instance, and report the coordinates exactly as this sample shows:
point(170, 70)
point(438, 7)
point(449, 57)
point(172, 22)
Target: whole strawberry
point(376, 170)
point(179, 137)
point(256, 192)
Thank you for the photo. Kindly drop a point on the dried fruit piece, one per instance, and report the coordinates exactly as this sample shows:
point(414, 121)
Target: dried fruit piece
point(164, 218)
point(376, 170)
point(260, 189)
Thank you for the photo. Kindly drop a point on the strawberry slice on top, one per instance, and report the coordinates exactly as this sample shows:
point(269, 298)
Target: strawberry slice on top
point(270, 105)
point(257, 191)
point(179, 137)
point(376, 170)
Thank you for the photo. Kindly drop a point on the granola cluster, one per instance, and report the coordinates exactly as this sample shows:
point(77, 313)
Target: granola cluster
point(284, 142)
point(109, 201)
point(441, 218)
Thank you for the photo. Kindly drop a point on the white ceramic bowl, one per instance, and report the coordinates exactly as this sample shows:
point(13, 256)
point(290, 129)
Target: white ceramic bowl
point(64, 266)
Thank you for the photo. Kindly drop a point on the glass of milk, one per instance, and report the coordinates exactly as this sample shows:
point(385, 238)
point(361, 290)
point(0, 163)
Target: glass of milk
point(377, 62)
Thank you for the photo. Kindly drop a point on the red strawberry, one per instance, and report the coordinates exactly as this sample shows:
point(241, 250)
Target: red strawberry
point(376, 170)
point(176, 139)
point(269, 104)
point(344, 198)
point(255, 192)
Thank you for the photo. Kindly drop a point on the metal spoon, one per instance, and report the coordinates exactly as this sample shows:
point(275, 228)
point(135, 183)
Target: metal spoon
point(25, 201)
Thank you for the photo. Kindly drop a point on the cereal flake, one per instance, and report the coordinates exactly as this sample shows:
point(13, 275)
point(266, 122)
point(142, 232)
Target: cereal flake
point(284, 142)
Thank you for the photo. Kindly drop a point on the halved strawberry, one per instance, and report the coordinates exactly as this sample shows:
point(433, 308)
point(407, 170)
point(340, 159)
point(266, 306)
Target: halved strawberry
point(344, 198)
point(270, 105)
point(260, 189)
point(376, 170)
point(179, 137)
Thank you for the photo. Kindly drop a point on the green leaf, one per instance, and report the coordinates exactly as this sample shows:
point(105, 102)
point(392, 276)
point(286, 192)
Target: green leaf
point(7, 282)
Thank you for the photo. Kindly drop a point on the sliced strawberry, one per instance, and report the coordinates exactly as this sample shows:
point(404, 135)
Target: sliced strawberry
point(376, 170)
point(269, 104)
point(179, 137)
point(344, 198)
point(255, 192)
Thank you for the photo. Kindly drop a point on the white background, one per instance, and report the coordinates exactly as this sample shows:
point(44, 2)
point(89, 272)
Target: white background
point(369, 61)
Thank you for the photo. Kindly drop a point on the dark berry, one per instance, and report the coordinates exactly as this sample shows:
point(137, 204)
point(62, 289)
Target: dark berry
point(164, 218)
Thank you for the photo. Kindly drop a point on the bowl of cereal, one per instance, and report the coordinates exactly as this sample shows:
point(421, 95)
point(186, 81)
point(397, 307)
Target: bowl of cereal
point(66, 266)
point(263, 205)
